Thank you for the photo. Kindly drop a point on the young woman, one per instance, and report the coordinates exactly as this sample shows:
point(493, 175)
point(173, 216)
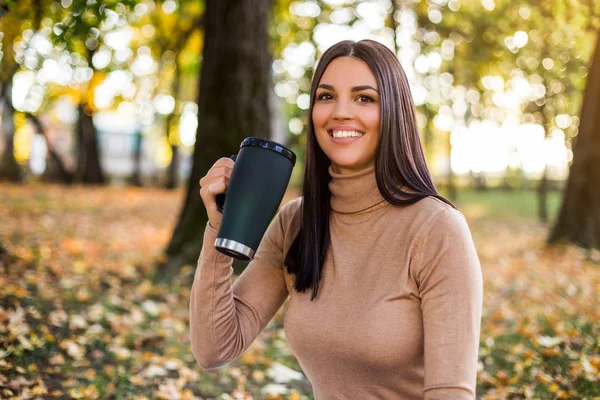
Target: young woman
point(384, 283)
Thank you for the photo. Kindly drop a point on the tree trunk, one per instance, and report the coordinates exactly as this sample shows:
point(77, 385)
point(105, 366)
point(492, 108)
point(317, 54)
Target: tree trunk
point(88, 168)
point(6, 262)
point(136, 177)
point(232, 105)
point(478, 180)
point(579, 218)
point(55, 169)
point(173, 169)
point(10, 170)
point(542, 190)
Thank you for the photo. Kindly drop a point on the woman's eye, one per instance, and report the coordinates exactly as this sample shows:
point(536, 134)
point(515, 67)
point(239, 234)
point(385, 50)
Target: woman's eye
point(367, 98)
point(363, 98)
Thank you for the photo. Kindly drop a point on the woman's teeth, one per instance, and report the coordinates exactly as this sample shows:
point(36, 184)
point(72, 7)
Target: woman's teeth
point(343, 134)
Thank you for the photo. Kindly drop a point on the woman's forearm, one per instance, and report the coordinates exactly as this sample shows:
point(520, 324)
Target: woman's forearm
point(224, 318)
point(212, 309)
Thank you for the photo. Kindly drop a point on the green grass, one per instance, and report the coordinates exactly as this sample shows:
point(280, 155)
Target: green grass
point(500, 204)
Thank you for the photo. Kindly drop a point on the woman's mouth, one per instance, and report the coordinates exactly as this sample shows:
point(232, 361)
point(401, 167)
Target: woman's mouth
point(342, 137)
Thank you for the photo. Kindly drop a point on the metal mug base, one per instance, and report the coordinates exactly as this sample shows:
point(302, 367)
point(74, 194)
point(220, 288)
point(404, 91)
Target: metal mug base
point(234, 249)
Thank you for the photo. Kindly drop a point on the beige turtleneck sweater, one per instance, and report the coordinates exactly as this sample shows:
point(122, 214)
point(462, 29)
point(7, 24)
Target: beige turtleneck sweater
point(399, 306)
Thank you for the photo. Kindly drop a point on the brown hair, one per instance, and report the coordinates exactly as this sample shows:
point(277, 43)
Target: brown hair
point(399, 160)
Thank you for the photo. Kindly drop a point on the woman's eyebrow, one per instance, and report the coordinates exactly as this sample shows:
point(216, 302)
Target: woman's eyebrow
point(354, 89)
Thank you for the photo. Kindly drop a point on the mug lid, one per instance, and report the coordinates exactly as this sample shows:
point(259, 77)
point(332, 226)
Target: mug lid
point(271, 145)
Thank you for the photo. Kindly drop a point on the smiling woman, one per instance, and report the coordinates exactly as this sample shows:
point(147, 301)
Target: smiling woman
point(384, 283)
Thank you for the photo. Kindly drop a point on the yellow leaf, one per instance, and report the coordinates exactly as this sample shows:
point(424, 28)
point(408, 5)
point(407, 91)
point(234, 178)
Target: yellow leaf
point(49, 338)
point(83, 295)
point(137, 380)
point(70, 382)
point(258, 375)
point(90, 374)
point(91, 392)
point(109, 370)
point(39, 389)
point(20, 292)
point(80, 267)
point(76, 393)
point(294, 396)
point(544, 378)
point(58, 359)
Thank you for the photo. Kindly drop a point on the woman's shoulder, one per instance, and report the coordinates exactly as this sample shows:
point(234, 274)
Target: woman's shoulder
point(440, 221)
point(290, 207)
point(431, 209)
point(289, 211)
point(428, 217)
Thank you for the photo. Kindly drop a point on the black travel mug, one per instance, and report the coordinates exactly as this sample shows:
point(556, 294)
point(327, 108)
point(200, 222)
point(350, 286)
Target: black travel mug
point(258, 182)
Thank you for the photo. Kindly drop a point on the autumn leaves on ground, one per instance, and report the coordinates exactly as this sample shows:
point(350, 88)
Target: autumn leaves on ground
point(81, 316)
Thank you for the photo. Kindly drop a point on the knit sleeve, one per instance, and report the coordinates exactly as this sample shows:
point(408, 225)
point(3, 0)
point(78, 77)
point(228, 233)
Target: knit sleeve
point(224, 318)
point(451, 291)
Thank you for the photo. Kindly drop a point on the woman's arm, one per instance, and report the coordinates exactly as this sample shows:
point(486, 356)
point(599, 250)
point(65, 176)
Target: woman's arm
point(451, 291)
point(225, 320)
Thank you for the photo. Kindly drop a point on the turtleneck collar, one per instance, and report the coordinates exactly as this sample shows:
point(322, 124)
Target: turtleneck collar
point(354, 192)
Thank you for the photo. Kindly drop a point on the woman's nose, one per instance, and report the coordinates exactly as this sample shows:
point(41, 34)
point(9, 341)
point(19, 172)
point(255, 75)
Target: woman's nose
point(342, 110)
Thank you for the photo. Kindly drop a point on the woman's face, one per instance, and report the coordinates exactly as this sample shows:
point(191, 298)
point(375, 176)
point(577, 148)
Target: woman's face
point(346, 114)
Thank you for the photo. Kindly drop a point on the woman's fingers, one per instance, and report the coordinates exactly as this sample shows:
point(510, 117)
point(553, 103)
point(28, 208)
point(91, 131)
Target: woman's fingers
point(217, 187)
point(223, 167)
point(224, 162)
point(214, 186)
point(215, 173)
point(213, 183)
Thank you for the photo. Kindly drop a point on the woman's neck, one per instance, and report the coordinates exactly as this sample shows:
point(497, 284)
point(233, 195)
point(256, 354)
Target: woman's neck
point(344, 170)
point(355, 191)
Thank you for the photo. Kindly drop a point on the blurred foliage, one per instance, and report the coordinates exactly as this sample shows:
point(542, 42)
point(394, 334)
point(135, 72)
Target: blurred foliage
point(546, 43)
point(176, 42)
point(23, 14)
point(78, 28)
point(76, 25)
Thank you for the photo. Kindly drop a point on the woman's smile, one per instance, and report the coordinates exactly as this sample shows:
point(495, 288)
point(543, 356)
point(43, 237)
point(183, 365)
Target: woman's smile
point(345, 135)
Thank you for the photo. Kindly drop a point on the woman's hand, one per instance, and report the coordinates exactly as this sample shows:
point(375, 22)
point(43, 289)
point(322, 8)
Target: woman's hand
point(213, 183)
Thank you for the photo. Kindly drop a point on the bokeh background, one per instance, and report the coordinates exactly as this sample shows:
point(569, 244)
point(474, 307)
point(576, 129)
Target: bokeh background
point(111, 111)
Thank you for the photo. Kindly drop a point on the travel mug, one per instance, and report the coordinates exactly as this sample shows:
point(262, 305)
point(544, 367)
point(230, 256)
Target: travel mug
point(258, 182)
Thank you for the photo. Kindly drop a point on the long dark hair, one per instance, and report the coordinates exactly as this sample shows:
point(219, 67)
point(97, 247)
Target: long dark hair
point(399, 160)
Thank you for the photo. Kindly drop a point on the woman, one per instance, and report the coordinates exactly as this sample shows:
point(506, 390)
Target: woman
point(384, 283)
